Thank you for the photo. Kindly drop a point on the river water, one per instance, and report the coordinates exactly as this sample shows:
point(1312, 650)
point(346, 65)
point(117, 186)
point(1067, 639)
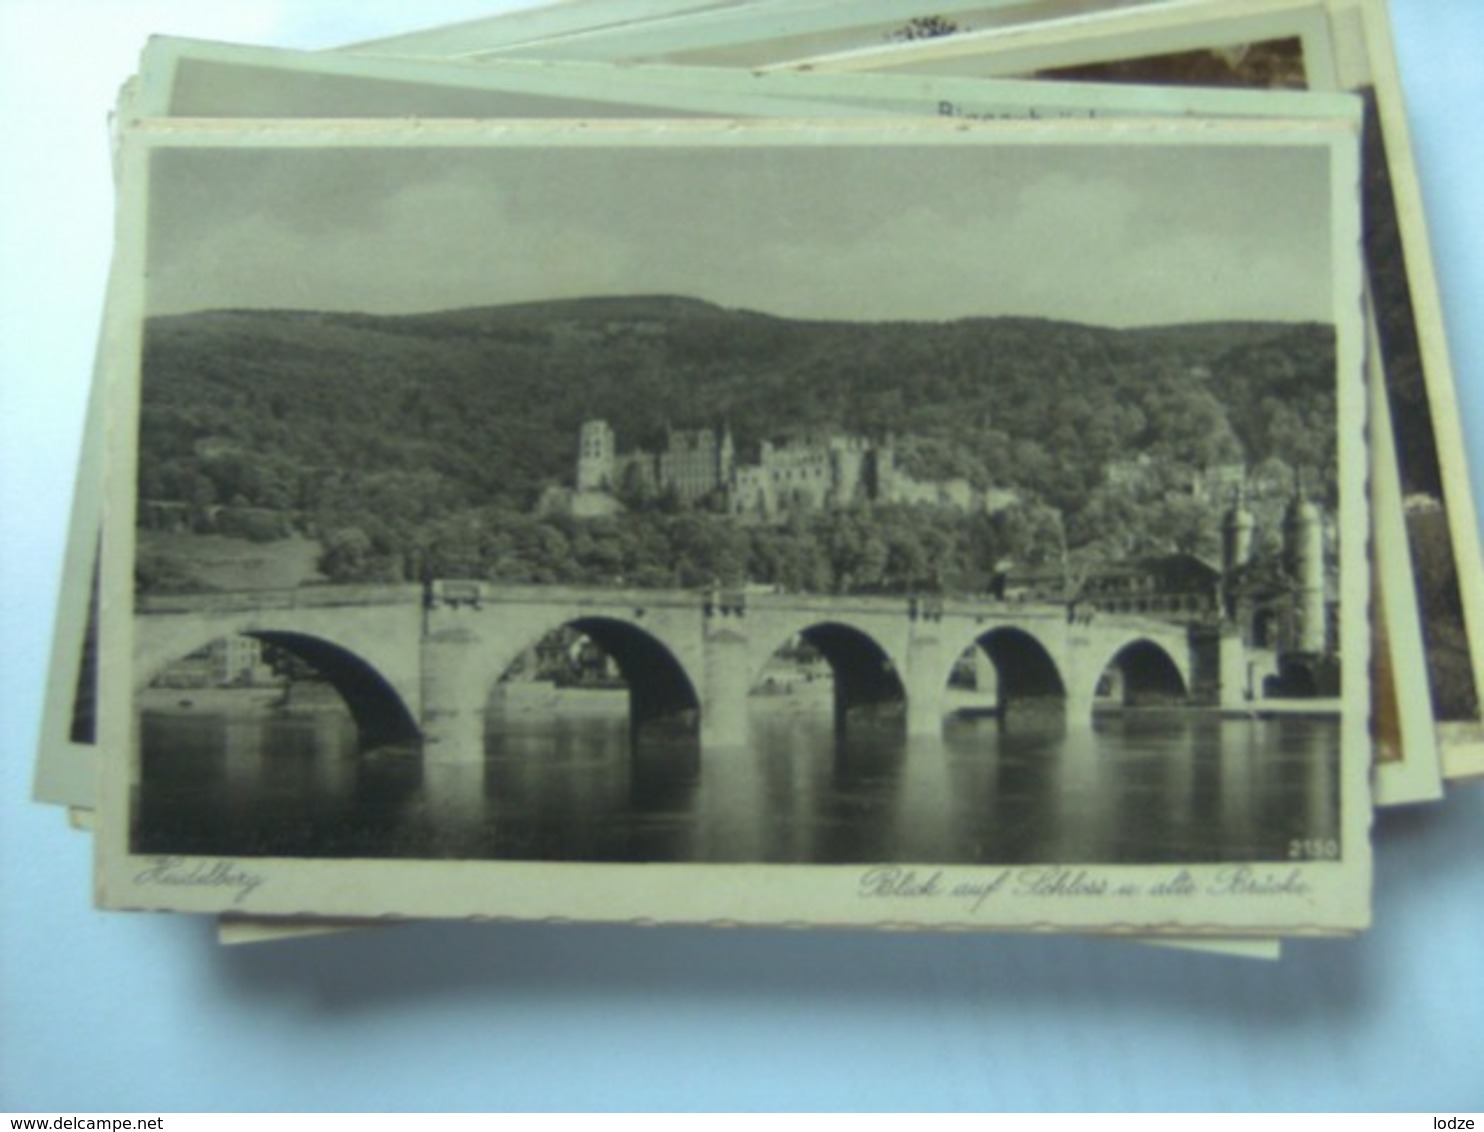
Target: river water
point(1135, 788)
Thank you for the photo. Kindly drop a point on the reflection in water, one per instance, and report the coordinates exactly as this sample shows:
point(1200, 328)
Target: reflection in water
point(1139, 787)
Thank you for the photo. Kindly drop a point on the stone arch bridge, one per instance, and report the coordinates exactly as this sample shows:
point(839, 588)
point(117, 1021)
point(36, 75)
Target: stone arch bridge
point(419, 662)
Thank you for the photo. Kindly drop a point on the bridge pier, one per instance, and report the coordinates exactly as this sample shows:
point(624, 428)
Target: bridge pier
point(1081, 670)
point(1241, 682)
point(1079, 705)
point(727, 678)
point(924, 681)
point(924, 716)
point(453, 709)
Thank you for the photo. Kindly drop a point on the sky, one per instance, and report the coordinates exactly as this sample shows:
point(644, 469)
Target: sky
point(1112, 235)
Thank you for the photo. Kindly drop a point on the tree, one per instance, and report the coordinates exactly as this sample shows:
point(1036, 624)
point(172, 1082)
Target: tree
point(346, 555)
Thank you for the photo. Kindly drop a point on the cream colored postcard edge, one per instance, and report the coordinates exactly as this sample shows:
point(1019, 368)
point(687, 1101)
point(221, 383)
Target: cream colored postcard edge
point(951, 96)
point(540, 24)
point(240, 931)
point(66, 771)
point(615, 30)
point(163, 57)
point(235, 931)
point(747, 36)
point(1331, 896)
point(1409, 779)
point(1147, 30)
point(1122, 35)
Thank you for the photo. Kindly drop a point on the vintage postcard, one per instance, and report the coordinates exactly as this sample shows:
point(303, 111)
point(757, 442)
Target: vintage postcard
point(200, 79)
point(1343, 44)
point(671, 594)
point(757, 34)
point(194, 79)
point(241, 72)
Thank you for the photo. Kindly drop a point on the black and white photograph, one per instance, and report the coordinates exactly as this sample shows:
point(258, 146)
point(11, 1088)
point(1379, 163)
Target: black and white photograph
point(697, 496)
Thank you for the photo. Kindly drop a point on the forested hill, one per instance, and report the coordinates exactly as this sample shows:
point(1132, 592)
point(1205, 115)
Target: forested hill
point(336, 415)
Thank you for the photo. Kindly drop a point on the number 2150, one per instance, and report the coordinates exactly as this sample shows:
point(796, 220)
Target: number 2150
point(1314, 849)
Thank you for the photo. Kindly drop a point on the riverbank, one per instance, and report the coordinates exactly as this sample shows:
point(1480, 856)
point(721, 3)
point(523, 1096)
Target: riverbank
point(209, 701)
point(1269, 709)
point(541, 697)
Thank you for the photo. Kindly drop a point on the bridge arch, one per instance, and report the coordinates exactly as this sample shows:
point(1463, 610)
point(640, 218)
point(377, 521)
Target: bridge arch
point(1026, 669)
point(866, 675)
point(661, 685)
point(1023, 663)
point(381, 714)
point(1142, 672)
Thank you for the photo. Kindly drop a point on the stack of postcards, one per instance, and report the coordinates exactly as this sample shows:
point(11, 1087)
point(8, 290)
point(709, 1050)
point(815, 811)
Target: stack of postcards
point(776, 463)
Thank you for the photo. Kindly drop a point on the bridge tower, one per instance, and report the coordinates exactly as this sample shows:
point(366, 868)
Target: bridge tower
point(1236, 534)
point(1303, 551)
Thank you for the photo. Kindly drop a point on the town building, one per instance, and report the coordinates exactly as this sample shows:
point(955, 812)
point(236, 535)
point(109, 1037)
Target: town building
point(227, 662)
point(1277, 611)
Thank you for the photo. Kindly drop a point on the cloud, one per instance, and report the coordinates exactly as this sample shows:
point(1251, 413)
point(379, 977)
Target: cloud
point(1095, 235)
point(426, 246)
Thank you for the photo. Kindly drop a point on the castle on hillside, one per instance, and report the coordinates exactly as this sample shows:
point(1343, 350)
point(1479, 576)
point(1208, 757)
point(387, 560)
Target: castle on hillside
point(816, 472)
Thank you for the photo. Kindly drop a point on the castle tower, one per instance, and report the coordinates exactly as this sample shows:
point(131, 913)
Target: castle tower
point(847, 463)
point(595, 455)
point(885, 471)
point(1303, 556)
point(690, 463)
point(1236, 534)
point(726, 457)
